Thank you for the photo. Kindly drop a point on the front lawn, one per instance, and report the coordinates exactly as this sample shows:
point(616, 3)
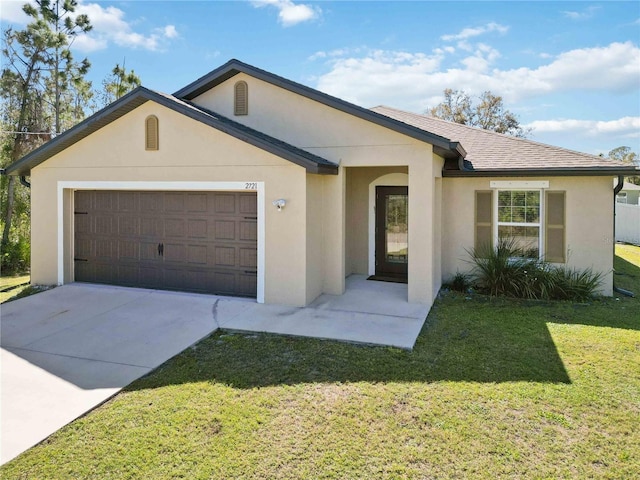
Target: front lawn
point(13, 285)
point(495, 388)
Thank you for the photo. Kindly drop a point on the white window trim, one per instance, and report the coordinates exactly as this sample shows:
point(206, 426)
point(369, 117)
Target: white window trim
point(540, 224)
point(257, 187)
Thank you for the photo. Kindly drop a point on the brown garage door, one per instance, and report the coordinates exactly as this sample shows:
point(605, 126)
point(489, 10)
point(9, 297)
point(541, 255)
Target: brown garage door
point(192, 241)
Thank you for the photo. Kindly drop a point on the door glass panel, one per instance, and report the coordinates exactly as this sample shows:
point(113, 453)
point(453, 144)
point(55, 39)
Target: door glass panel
point(396, 231)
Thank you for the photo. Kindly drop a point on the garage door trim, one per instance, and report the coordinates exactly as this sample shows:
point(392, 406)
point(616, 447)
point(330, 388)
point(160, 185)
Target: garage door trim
point(248, 186)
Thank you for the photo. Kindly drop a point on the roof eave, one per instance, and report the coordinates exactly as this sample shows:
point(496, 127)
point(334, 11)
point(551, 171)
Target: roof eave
point(125, 104)
point(133, 100)
point(536, 172)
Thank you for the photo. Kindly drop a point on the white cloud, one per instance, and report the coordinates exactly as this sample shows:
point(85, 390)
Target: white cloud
point(290, 13)
point(392, 77)
point(170, 31)
point(583, 15)
point(467, 33)
point(109, 26)
point(414, 80)
point(339, 52)
point(11, 12)
point(622, 127)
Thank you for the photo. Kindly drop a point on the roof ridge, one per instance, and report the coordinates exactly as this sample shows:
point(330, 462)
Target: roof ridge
point(501, 135)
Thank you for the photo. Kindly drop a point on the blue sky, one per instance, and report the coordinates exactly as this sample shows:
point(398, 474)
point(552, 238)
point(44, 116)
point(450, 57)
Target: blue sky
point(569, 70)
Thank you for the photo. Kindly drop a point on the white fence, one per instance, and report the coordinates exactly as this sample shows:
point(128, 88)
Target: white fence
point(628, 223)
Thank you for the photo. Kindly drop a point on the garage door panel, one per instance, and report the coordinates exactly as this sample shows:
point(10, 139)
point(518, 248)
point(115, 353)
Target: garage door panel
point(248, 204)
point(197, 203)
point(224, 203)
point(197, 254)
point(150, 277)
point(127, 202)
point(248, 258)
point(149, 252)
point(224, 230)
point(196, 241)
point(174, 202)
point(151, 202)
point(247, 284)
point(82, 223)
point(248, 231)
point(105, 225)
point(175, 227)
point(175, 252)
point(128, 225)
point(104, 201)
point(128, 250)
point(104, 272)
point(151, 227)
point(224, 256)
point(128, 274)
point(104, 248)
point(197, 228)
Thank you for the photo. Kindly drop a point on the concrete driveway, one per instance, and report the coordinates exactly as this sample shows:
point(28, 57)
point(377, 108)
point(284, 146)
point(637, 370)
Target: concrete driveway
point(66, 350)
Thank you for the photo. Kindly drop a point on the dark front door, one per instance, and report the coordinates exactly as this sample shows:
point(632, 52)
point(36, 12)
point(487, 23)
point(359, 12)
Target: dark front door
point(193, 241)
point(392, 233)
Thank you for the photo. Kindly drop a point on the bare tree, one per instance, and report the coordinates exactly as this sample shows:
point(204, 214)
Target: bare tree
point(489, 113)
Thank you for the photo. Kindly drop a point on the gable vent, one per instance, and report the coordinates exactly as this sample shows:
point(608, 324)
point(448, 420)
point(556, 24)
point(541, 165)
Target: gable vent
point(151, 133)
point(241, 98)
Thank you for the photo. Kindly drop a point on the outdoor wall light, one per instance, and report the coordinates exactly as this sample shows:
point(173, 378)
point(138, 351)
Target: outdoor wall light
point(279, 204)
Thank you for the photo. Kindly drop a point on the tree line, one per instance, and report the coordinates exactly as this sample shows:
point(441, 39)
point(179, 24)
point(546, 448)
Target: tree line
point(44, 92)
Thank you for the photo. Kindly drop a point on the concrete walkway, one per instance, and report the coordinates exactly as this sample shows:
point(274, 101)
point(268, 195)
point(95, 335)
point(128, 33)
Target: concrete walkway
point(66, 350)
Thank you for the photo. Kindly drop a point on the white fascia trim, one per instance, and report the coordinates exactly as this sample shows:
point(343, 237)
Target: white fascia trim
point(519, 184)
point(248, 186)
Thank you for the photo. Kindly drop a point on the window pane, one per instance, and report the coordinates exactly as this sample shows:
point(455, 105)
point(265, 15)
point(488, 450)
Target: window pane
point(532, 214)
point(396, 228)
point(504, 214)
point(525, 238)
point(504, 198)
point(533, 199)
point(518, 198)
point(518, 214)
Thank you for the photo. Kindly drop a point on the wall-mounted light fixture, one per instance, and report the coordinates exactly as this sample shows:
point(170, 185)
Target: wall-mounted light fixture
point(279, 204)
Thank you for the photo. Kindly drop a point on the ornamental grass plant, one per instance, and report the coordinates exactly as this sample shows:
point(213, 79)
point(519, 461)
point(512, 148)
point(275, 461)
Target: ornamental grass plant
point(508, 270)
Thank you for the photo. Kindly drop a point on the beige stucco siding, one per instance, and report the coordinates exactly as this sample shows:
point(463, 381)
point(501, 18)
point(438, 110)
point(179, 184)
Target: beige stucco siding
point(589, 222)
point(314, 236)
point(189, 152)
point(312, 126)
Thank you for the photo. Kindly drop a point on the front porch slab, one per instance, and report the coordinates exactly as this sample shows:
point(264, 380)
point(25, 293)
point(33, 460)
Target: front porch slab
point(369, 312)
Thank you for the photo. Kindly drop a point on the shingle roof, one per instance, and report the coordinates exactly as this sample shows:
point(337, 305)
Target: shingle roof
point(492, 152)
point(313, 163)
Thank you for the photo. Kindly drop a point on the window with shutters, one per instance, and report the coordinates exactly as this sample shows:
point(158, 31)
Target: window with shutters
point(534, 219)
point(151, 133)
point(241, 98)
point(519, 218)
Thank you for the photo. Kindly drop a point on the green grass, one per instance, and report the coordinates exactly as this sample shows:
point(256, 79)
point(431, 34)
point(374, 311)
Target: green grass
point(495, 388)
point(10, 286)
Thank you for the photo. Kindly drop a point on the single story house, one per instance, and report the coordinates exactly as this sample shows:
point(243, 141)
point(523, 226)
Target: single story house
point(629, 194)
point(246, 183)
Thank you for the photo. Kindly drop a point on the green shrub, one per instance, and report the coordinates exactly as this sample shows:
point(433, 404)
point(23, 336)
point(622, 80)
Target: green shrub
point(506, 271)
point(16, 257)
point(460, 282)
